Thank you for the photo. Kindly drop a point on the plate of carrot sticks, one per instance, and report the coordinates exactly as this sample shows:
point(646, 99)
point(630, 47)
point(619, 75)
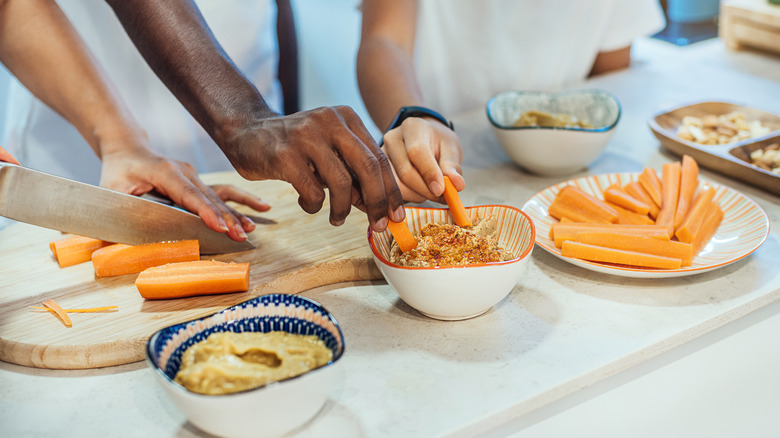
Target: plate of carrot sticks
point(647, 224)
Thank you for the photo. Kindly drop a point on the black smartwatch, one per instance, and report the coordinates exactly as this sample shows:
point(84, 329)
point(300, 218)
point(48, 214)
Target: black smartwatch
point(415, 111)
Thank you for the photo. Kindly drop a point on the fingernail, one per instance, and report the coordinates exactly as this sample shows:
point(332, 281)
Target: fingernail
point(381, 224)
point(222, 225)
point(399, 214)
point(436, 188)
point(239, 231)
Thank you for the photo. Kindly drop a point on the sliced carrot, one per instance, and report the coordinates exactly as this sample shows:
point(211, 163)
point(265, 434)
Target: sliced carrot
point(635, 189)
point(670, 192)
point(709, 226)
point(88, 310)
point(594, 206)
point(649, 245)
point(652, 184)
point(402, 235)
point(73, 250)
point(689, 181)
point(693, 220)
point(186, 279)
point(62, 314)
point(561, 209)
point(121, 259)
point(563, 232)
point(603, 254)
point(620, 197)
point(459, 214)
point(627, 217)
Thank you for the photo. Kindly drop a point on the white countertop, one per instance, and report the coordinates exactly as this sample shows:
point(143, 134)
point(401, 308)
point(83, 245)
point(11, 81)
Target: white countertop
point(568, 353)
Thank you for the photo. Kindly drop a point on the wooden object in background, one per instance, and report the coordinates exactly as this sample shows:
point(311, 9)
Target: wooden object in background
point(750, 23)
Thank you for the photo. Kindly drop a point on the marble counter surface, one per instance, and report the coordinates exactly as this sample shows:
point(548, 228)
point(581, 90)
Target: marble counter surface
point(569, 353)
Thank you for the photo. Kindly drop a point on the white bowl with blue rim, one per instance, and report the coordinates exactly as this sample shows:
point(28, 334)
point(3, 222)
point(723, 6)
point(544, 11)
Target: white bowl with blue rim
point(266, 411)
point(560, 150)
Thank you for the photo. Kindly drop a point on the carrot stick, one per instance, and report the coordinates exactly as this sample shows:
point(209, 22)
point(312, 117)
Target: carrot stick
point(650, 181)
point(120, 259)
point(89, 310)
point(402, 235)
point(563, 232)
point(709, 226)
point(459, 214)
point(693, 220)
point(186, 279)
point(648, 245)
point(610, 255)
point(627, 217)
point(635, 189)
point(670, 192)
point(594, 206)
point(620, 197)
point(689, 180)
point(561, 209)
point(51, 304)
point(75, 249)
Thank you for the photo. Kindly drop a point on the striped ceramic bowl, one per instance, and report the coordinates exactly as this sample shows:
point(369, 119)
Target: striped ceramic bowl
point(270, 410)
point(458, 292)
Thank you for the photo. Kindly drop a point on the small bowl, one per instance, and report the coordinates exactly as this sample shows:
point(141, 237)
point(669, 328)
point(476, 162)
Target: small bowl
point(554, 151)
point(458, 292)
point(270, 410)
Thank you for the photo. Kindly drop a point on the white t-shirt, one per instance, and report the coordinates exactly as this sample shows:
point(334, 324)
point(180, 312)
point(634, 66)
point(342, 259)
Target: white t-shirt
point(468, 50)
point(41, 139)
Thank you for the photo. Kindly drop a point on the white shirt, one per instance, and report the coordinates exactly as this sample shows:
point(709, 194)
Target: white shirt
point(468, 50)
point(41, 139)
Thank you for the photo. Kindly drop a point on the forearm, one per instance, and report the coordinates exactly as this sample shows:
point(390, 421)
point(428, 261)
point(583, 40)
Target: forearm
point(178, 45)
point(41, 48)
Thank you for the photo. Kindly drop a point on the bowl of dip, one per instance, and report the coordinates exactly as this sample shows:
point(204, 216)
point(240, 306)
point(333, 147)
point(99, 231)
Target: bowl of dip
point(258, 369)
point(457, 273)
point(553, 133)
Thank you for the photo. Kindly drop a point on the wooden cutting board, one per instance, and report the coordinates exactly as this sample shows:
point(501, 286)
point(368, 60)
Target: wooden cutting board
point(295, 252)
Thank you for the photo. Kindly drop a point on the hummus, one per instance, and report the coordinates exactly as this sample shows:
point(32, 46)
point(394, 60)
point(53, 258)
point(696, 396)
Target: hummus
point(547, 120)
point(451, 245)
point(232, 362)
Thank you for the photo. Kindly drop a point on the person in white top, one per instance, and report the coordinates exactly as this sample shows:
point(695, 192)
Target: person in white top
point(35, 41)
point(449, 56)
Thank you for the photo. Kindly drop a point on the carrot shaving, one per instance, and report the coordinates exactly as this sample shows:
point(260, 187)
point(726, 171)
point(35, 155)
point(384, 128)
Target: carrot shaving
point(61, 313)
point(88, 310)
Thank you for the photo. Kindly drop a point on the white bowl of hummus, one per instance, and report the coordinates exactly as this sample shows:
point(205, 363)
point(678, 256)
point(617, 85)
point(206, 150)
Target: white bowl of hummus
point(258, 369)
point(457, 273)
point(553, 133)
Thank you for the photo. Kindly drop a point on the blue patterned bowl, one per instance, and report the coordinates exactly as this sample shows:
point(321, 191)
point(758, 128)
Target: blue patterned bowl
point(270, 410)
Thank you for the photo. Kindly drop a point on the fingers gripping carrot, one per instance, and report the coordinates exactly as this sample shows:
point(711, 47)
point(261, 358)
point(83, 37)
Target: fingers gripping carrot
point(457, 210)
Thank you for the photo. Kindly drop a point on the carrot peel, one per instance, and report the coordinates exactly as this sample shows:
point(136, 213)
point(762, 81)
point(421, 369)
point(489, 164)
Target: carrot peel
point(459, 214)
point(61, 313)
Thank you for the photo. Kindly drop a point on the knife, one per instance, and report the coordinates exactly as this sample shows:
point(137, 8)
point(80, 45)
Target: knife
point(62, 204)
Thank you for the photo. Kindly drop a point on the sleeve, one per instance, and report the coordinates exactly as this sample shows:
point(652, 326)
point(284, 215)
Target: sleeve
point(631, 19)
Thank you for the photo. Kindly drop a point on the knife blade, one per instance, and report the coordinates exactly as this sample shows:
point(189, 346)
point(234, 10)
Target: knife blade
point(50, 201)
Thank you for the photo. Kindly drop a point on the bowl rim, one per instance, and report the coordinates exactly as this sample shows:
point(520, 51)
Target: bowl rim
point(489, 105)
point(524, 254)
point(178, 387)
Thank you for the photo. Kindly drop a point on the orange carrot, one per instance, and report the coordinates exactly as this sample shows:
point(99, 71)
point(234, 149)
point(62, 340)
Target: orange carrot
point(120, 259)
point(51, 304)
point(88, 310)
point(563, 232)
point(459, 214)
point(75, 249)
point(648, 245)
point(689, 180)
point(561, 209)
point(620, 197)
point(622, 257)
point(670, 192)
point(693, 220)
point(594, 206)
point(626, 217)
point(635, 189)
point(709, 226)
point(652, 184)
point(402, 235)
point(186, 279)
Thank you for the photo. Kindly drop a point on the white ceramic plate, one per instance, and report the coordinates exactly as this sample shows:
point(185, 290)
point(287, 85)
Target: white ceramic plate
point(744, 228)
